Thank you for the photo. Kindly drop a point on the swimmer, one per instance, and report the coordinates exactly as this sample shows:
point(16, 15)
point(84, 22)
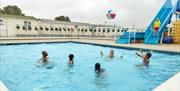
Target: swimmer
point(111, 53)
point(71, 59)
point(101, 53)
point(145, 56)
point(44, 58)
point(98, 68)
point(121, 57)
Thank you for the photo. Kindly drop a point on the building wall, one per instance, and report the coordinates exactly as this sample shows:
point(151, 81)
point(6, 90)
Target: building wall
point(10, 27)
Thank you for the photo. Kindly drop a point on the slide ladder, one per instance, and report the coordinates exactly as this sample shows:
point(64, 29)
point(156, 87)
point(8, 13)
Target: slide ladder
point(128, 37)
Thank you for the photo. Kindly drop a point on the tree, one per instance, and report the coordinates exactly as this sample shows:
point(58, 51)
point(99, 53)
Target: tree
point(62, 18)
point(12, 10)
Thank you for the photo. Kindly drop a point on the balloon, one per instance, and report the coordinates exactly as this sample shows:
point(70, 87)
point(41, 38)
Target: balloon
point(110, 15)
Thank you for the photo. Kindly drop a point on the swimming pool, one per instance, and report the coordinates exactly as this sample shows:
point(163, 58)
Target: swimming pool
point(19, 73)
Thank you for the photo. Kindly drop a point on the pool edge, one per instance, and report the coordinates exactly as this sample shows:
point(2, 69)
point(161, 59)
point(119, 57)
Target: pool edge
point(104, 45)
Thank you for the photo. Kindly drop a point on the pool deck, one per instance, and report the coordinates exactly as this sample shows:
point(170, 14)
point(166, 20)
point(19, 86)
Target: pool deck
point(3, 87)
point(173, 84)
point(99, 41)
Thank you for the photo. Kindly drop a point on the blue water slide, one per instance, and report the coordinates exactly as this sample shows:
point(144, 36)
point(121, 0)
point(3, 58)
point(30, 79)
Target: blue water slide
point(164, 15)
point(128, 37)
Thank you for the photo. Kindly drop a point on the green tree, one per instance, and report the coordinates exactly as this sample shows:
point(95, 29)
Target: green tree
point(62, 18)
point(12, 10)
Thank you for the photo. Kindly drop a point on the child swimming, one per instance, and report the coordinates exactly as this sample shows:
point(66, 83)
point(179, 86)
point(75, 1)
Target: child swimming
point(98, 68)
point(145, 56)
point(71, 59)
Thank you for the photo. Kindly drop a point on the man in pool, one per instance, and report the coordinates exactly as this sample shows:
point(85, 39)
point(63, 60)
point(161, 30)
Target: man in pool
point(98, 68)
point(111, 53)
point(145, 56)
point(71, 59)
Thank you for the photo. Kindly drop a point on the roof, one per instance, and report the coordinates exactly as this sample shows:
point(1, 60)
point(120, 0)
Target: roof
point(103, 25)
point(63, 22)
point(16, 16)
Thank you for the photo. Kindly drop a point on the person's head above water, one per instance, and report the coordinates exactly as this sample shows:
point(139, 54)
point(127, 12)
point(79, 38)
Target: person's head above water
point(111, 53)
point(44, 53)
point(97, 67)
point(71, 56)
point(148, 55)
point(44, 57)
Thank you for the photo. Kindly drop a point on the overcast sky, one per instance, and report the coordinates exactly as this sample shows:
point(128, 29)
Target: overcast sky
point(129, 12)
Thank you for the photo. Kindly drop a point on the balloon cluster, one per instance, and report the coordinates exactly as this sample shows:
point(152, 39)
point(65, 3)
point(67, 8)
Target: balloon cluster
point(110, 15)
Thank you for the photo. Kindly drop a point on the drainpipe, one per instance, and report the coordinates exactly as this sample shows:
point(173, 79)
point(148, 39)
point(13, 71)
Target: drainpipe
point(169, 28)
point(7, 30)
point(115, 30)
point(129, 38)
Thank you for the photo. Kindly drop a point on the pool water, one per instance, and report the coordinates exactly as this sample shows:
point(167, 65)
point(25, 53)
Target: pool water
point(19, 73)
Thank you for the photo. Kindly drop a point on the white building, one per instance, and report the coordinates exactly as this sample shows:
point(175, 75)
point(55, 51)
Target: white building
point(28, 26)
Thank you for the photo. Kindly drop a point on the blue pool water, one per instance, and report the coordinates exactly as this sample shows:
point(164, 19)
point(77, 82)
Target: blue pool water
point(19, 73)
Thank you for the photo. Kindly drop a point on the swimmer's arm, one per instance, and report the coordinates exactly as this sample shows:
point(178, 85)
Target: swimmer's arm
point(101, 53)
point(139, 55)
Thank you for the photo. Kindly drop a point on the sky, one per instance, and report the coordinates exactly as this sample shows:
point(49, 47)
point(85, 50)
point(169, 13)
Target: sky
point(128, 12)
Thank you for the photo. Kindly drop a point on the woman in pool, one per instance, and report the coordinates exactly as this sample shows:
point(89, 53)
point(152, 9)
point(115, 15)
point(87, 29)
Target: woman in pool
point(98, 68)
point(145, 56)
point(71, 59)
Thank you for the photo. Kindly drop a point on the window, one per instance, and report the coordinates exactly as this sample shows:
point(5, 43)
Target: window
point(60, 29)
point(36, 28)
point(104, 30)
point(41, 28)
point(108, 30)
point(56, 29)
point(29, 26)
point(94, 30)
point(91, 30)
point(17, 27)
point(72, 29)
point(51, 28)
point(85, 30)
point(1, 22)
point(113, 30)
point(69, 29)
point(82, 29)
point(99, 30)
point(47, 29)
point(25, 25)
point(64, 28)
point(78, 29)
